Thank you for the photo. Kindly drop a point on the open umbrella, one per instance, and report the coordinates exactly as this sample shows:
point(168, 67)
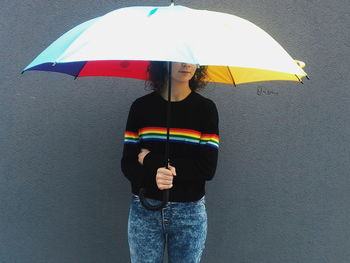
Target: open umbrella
point(123, 42)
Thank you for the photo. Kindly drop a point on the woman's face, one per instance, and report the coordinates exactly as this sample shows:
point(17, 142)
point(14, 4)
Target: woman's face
point(182, 72)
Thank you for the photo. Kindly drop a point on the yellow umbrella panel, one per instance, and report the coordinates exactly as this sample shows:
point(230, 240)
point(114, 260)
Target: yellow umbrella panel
point(239, 75)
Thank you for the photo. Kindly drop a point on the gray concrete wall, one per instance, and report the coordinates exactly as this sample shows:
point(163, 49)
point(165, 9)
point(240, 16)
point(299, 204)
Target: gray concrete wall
point(282, 189)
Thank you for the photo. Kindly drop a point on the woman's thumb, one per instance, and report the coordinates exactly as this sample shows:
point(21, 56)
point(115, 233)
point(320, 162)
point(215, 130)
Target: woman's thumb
point(172, 169)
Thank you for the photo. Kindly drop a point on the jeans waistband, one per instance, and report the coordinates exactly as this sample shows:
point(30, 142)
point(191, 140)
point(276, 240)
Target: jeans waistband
point(156, 202)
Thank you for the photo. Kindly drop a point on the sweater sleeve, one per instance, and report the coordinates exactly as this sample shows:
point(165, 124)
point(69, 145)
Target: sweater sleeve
point(203, 166)
point(130, 166)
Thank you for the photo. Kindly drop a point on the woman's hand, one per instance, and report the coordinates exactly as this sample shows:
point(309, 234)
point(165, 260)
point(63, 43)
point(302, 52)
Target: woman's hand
point(143, 152)
point(164, 177)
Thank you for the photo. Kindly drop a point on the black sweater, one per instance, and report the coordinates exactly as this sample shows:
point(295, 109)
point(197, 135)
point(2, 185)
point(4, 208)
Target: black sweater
point(194, 142)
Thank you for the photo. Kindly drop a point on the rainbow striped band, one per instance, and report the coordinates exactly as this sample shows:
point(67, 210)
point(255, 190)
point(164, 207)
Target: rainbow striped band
point(176, 135)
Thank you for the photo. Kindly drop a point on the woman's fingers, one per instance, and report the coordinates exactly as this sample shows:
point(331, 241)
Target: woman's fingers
point(162, 184)
point(164, 178)
point(172, 169)
point(143, 152)
point(165, 171)
point(164, 187)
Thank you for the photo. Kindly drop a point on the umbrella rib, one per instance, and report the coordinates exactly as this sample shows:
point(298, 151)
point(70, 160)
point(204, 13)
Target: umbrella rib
point(233, 80)
point(299, 79)
point(76, 76)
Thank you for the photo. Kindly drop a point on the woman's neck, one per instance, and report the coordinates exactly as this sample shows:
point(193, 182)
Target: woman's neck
point(179, 91)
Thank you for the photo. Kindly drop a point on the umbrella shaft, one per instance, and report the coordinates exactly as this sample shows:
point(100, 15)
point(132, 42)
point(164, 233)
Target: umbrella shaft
point(167, 144)
point(167, 153)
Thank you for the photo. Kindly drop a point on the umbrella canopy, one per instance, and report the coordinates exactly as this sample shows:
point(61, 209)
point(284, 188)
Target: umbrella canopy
point(122, 42)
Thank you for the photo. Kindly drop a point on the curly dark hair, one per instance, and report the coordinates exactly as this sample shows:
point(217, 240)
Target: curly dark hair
point(158, 76)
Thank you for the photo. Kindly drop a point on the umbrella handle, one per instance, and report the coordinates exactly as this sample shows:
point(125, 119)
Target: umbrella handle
point(154, 207)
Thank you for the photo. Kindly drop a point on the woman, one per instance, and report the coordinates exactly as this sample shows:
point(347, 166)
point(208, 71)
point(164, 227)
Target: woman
point(181, 225)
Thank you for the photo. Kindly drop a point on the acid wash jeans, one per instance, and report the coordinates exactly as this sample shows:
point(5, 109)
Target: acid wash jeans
point(181, 226)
